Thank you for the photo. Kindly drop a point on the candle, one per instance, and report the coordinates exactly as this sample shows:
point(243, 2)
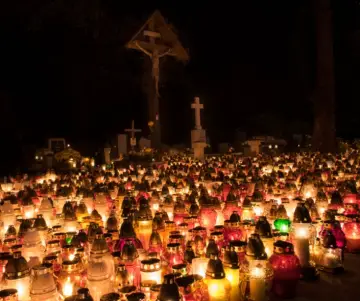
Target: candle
point(68, 288)
point(257, 285)
point(199, 265)
point(301, 246)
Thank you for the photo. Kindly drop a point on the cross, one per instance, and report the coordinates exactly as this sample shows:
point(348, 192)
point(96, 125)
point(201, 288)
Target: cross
point(197, 106)
point(132, 131)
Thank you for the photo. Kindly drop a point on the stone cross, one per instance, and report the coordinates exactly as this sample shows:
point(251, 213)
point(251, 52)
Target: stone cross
point(197, 106)
point(132, 131)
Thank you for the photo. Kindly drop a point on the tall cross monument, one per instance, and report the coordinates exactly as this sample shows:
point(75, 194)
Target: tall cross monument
point(156, 39)
point(133, 130)
point(198, 135)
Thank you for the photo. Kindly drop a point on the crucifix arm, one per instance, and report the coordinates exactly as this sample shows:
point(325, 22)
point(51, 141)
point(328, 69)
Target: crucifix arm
point(165, 53)
point(142, 49)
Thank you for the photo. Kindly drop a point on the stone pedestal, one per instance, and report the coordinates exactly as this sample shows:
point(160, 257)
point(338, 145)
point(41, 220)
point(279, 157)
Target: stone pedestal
point(198, 143)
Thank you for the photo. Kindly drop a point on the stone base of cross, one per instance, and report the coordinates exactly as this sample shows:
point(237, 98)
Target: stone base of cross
point(198, 143)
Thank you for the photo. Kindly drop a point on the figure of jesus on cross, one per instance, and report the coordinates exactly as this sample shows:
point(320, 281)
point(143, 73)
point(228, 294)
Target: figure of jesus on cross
point(133, 131)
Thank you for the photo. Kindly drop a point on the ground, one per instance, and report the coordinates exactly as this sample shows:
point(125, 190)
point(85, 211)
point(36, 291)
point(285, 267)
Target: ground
point(344, 287)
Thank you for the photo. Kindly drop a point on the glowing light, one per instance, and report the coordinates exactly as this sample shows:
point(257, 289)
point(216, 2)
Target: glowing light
point(68, 288)
point(258, 211)
point(301, 233)
point(257, 272)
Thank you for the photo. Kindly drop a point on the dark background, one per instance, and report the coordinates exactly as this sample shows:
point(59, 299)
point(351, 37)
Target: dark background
point(66, 73)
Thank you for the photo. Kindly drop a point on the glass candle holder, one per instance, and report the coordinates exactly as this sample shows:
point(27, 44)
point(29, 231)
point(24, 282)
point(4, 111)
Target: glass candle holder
point(70, 278)
point(150, 270)
point(43, 286)
point(172, 256)
point(98, 278)
point(302, 236)
point(231, 267)
point(282, 225)
point(260, 277)
point(122, 277)
point(219, 287)
point(352, 234)
point(287, 269)
point(17, 275)
point(199, 265)
point(208, 217)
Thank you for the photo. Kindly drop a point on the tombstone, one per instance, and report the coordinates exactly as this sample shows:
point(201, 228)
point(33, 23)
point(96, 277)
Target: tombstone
point(198, 135)
point(254, 146)
point(107, 152)
point(122, 141)
point(144, 143)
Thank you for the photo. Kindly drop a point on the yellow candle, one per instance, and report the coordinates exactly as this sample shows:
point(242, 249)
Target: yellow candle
point(233, 276)
point(219, 289)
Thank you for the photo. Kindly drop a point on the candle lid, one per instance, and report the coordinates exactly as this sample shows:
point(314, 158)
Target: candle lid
point(173, 247)
point(185, 283)
point(11, 231)
point(238, 245)
point(129, 252)
point(9, 241)
point(283, 247)
point(16, 267)
point(136, 296)
point(231, 259)
point(127, 289)
point(169, 290)
point(84, 294)
point(71, 265)
point(211, 248)
point(235, 218)
point(179, 268)
point(329, 240)
point(215, 269)
point(111, 297)
point(301, 214)
point(10, 292)
point(150, 265)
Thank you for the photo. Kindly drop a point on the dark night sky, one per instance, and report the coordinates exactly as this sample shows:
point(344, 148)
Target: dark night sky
point(65, 70)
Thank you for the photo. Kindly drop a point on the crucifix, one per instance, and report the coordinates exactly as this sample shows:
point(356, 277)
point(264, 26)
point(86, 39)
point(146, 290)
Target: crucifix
point(197, 106)
point(198, 135)
point(133, 131)
point(157, 40)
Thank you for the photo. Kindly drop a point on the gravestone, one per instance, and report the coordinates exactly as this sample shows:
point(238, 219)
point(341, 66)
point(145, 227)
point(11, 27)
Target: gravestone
point(122, 145)
point(144, 143)
point(107, 152)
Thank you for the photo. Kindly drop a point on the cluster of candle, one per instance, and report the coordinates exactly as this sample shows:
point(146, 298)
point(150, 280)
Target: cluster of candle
point(229, 228)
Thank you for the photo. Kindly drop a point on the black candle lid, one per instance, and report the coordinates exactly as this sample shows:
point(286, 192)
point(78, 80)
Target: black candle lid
point(215, 268)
